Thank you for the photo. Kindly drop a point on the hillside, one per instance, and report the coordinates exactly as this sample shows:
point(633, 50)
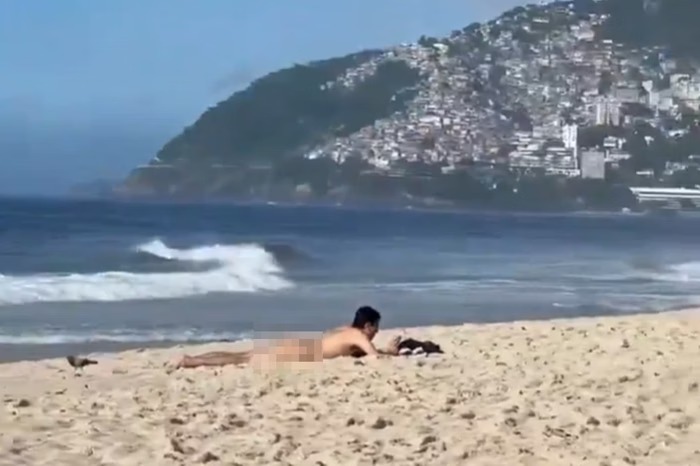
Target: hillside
point(475, 117)
point(647, 23)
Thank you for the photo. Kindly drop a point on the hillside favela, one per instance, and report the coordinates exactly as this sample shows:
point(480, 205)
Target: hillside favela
point(568, 105)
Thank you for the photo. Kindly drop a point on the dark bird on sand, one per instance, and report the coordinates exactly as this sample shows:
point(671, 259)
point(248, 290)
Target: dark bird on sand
point(78, 363)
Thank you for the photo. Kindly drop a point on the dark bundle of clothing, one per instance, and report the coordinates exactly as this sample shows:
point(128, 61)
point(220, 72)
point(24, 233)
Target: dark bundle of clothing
point(410, 346)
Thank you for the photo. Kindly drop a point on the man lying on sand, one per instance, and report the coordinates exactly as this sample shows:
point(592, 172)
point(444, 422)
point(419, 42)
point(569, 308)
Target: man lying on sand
point(355, 341)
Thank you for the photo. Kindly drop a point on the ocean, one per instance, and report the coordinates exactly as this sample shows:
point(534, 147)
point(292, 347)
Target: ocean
point(85, 276)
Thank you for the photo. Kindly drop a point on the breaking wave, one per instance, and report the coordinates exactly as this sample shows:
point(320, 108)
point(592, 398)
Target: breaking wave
point(242, 268)
point(685, 272)
point(646, 272)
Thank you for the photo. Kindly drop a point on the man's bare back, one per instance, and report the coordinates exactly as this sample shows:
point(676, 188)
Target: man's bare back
point(355, 340)
point(344, 342)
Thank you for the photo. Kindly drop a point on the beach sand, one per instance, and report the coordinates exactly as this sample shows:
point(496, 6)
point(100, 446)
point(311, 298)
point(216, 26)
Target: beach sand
point(601, 391)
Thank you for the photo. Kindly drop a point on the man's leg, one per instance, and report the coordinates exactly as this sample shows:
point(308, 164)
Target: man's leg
point(214, 359)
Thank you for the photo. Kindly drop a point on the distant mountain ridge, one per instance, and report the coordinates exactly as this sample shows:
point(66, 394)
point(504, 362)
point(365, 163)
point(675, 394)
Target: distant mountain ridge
point(309, 130)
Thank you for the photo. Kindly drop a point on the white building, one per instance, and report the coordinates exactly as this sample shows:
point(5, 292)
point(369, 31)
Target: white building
point(607, 112)
point(593, 165)
point(569, 135)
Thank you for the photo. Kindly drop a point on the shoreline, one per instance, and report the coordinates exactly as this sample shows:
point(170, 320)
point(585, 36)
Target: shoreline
point(15, 353)
point(614, 390)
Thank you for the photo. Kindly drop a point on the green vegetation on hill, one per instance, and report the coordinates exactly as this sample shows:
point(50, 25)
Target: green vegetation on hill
point(669, 23)
point(290, 111)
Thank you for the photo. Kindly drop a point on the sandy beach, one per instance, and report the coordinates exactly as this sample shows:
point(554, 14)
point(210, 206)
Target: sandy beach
point(603, 391)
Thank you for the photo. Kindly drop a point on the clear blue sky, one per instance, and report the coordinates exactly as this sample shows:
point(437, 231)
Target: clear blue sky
point(91, 88)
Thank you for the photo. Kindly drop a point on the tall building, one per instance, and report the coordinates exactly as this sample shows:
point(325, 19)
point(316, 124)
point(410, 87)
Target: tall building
point(569, 135)
point(607, 112)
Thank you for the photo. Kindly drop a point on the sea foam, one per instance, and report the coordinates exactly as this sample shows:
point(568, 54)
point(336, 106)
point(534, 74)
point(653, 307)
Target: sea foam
point(241, 268)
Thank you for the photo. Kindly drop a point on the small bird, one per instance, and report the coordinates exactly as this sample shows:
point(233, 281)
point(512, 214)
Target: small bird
point(77, 362)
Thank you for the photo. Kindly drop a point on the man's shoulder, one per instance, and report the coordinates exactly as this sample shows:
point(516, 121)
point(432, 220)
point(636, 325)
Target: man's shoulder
point(339, 329)
point(342, 331)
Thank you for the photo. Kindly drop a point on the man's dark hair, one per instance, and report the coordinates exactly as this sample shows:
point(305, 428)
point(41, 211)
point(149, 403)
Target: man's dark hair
point(366, 315)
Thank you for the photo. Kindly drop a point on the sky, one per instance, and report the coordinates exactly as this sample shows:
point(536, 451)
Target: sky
point(90, 89)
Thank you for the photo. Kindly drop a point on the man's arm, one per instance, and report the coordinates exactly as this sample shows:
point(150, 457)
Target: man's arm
point(393, 348)
point(361, 341)
point(364, 343)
